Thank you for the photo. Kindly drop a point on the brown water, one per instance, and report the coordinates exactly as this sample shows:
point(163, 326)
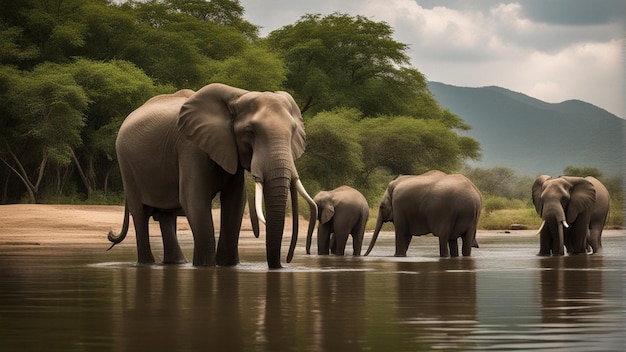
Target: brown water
point(502, 298)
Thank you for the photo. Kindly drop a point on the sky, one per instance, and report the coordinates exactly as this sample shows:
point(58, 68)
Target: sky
point(553, 50)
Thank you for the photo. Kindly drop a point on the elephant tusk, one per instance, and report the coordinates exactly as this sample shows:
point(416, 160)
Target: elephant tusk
point(304, 194)
point(565, 224)
point(312, 204)
point(543, 223)
point(258, 201)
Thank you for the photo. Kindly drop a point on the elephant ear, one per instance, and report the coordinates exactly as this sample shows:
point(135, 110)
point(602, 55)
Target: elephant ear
point(582, 197)
point(325, 206)
point(536, 192)
point(298, 140)
point(206, 121)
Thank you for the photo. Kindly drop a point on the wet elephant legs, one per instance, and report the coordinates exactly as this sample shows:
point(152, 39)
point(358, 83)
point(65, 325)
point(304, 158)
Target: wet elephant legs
point(172, 254)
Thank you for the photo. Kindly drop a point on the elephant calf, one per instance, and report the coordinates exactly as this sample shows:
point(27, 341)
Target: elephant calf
point(342, 211)
point(448, 206)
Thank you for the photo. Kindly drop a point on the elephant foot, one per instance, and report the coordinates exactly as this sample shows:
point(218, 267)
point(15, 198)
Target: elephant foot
point(227, 262)
point(174, 257)
point(578, 253)
point(203, 262)
point(146, 260)
point(175, 261)
point(399, 255)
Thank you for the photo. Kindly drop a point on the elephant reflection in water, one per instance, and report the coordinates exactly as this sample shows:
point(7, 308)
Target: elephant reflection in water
point(441, 294)
point(171, 309)
point(320, 311)
point(341, 311)
point(277, 322)
point(570, 288)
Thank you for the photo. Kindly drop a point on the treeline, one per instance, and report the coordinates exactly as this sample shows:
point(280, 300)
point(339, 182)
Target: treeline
point(72, 70)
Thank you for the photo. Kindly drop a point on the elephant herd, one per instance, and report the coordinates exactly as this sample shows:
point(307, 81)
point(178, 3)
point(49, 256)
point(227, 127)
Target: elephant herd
point(178, 151)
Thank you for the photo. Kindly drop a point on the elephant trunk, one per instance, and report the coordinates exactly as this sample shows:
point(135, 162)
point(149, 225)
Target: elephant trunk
point(309, 237)
point(119, 238)
point(275, 193)
point(558, 245)
point(553, 216)
point(280, 178)
point(379, 225)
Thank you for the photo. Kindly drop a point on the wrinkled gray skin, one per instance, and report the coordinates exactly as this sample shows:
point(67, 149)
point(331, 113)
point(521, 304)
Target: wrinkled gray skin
point(573, 210)
point(178, 151)
point(342, 211)
point(448, 206)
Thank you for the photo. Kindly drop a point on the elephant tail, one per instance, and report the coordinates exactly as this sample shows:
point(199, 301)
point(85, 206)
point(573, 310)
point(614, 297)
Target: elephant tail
point(119, 238)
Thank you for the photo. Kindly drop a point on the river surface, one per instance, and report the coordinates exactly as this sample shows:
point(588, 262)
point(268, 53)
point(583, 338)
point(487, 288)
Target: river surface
point(503, 298)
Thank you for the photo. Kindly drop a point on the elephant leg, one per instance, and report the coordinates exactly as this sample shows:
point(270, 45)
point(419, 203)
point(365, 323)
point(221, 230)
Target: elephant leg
point(469, 239)
point(172, 254)
point(199, 216)
point(199, 178)
point(595, 240)
point(453, 245)
point(142, 236)
point(443, 247)
point(403, 240)
point(233, 200)
point(545, 243)
point(339, 243)
point(357, 239)
point(333, 243)
point(323, 239)
point(577, 237)
point(201, 223)
point(341, 232)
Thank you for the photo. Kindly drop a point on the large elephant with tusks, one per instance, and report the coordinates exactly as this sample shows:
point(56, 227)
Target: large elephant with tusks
point(178, 151)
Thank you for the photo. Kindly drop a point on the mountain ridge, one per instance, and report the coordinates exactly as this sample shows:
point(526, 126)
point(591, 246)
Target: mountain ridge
point(535, 137)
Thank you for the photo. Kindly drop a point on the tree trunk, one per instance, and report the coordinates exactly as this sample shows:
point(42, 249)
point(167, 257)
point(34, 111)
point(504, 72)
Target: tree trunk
point(83, 176)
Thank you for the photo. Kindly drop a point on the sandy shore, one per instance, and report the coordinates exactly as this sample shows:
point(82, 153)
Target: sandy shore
point(42, 224)
point(28, 224)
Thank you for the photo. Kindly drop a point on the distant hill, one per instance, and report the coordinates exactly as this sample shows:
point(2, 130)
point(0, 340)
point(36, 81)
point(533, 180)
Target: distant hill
point(534, 137)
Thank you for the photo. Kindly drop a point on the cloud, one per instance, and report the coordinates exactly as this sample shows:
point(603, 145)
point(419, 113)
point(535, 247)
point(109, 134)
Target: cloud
point(576, 12)
point(552, 50)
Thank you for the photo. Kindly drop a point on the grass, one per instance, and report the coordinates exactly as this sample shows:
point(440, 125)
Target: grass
point(503, 219)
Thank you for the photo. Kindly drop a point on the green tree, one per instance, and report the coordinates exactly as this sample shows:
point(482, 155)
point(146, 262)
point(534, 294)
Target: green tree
point(405, 145)
point(582, 171)
point(334, 154)
point(115, 88)
point(224, 12)
point(175, 44)
point(255, 68)
point(339, 60)
point(331, 59)
point(500, 182)
point(45, 117)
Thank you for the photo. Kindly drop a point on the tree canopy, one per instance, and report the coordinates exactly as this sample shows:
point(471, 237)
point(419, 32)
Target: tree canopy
point(72, 70)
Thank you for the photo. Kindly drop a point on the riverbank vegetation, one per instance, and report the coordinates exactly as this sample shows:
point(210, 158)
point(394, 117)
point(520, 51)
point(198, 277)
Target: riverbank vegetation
point(72, 70)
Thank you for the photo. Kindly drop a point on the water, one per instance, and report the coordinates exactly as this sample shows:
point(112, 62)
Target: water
point(56, 298)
